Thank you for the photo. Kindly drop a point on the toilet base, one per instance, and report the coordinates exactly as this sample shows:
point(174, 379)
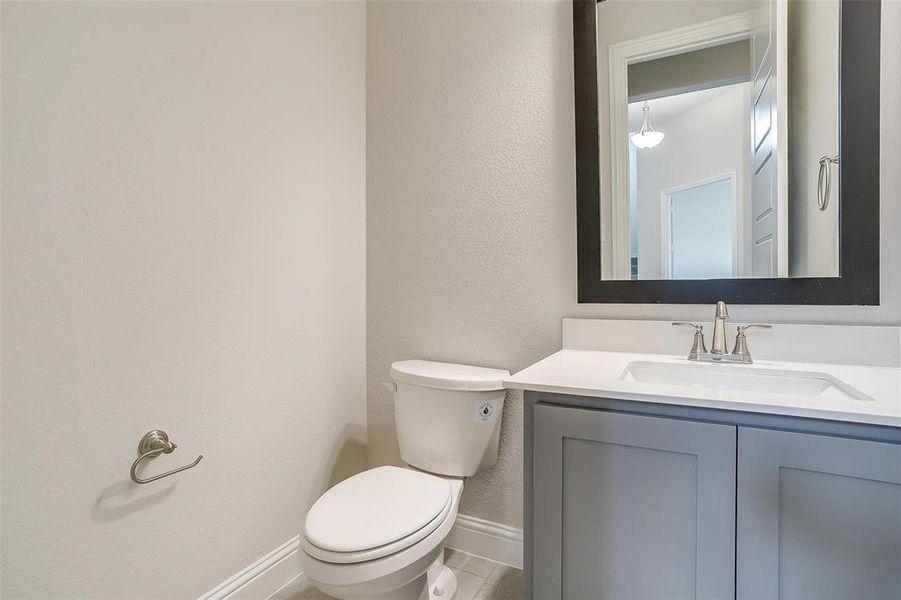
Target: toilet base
point(445, 585)
point(437, 583)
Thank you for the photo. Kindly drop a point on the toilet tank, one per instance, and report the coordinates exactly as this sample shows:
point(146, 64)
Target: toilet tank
point(448, 416)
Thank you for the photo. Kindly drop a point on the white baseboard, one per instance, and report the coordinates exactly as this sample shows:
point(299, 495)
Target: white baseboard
point(290, 589)
point(494, 541)
point(264, 577)
point(281, 567)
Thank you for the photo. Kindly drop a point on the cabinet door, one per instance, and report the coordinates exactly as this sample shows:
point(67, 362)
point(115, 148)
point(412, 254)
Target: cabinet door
point(818, 517)
point(628, 506)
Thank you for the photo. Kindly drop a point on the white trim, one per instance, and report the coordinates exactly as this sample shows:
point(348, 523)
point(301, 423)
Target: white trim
point(301, 582)
point(281, 567)
point(782, 140)
point(666, 235)
point(494, 541)
point(666, 265)
point(667, 43)
point(262, 578)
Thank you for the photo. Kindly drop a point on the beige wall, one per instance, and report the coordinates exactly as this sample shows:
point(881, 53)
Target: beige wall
point(183, 248)
point(471, 213)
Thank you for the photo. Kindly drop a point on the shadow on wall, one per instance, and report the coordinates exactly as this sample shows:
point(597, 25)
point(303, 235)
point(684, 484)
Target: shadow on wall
point(348, 456)
point(124, 498)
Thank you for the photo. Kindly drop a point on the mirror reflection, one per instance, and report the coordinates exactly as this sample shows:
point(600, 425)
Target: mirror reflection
point(723, 138)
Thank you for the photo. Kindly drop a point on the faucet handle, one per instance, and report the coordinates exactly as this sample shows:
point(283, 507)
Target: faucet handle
point(698, 328)
point(741, 341)
point(697, 344)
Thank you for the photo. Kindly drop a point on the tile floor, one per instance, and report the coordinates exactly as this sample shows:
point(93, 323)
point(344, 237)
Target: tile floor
point(477, 579)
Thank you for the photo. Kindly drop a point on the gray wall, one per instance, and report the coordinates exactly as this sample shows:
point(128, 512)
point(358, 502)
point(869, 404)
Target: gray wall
point(691, 71)
point(813, 59)
point(470, 205)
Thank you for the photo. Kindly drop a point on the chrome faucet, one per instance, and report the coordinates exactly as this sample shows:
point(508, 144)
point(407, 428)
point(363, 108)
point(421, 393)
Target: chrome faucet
point(718, 353)
point(719, 329)
point(698, 347)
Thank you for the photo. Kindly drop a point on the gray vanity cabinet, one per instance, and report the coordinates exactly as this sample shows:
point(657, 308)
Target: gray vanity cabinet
point(631, 506)
point(818, 517)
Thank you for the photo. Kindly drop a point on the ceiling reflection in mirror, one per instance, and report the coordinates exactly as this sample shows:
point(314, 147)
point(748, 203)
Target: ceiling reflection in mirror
point(722, 138)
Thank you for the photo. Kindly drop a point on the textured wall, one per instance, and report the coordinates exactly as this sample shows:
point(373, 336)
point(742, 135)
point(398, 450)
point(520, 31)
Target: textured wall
point(183, 248)
point(471, 211)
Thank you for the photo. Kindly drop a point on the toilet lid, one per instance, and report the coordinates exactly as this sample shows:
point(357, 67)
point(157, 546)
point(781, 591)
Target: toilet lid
point(375, 508)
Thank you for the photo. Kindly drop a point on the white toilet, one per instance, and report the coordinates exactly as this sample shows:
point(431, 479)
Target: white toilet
point(380, 534)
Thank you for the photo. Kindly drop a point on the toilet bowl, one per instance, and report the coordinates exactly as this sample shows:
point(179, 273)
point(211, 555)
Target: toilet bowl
point(385, 550)
point(381, 533)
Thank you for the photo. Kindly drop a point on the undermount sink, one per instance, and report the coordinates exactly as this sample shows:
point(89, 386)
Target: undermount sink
point(741, 378)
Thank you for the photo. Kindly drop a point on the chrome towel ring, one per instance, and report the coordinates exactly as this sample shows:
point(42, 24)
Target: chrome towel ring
point(152, 444)
point(824, 181)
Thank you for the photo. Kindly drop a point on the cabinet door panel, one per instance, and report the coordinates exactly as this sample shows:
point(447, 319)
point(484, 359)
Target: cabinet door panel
point(628, 506)
point(818, 517)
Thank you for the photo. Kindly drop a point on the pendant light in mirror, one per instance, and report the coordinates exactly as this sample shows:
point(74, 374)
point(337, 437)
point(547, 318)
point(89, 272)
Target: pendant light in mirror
point(647, 137)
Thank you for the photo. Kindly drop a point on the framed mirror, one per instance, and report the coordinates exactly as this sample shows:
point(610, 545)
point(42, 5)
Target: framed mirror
point(727, 151)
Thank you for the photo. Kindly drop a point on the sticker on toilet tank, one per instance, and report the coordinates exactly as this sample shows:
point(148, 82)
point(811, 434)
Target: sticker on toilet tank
point(485, 412)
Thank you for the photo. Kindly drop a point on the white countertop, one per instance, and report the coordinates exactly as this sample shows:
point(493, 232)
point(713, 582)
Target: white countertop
point(598, 373)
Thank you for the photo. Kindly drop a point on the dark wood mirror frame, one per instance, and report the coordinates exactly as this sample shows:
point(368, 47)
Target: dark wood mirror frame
point(859, 175)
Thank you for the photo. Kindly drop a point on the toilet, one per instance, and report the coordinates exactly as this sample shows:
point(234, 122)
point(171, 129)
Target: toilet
point(380, 534)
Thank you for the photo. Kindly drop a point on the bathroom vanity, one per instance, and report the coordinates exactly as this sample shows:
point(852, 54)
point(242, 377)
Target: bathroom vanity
point(648, 475)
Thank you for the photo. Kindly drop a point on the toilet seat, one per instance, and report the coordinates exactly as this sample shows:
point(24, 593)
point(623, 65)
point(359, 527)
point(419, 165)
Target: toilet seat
point(386, 575)
point(374, 514)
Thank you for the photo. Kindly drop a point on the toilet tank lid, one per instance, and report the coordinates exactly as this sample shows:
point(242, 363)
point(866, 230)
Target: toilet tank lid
point(448, 376)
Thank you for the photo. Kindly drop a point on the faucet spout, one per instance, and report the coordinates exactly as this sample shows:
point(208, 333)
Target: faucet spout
point(719, 329)
point(718, 353)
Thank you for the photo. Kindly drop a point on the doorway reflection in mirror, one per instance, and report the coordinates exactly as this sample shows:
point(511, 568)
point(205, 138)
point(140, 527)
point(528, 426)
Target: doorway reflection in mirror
point(743, 97)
